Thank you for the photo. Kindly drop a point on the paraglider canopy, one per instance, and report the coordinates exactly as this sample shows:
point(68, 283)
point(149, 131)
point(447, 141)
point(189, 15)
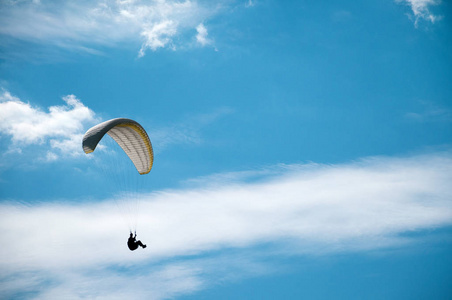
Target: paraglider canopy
point(129, 135)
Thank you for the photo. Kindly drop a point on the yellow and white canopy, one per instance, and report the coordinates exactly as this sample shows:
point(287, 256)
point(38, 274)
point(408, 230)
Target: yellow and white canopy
point(130, 135)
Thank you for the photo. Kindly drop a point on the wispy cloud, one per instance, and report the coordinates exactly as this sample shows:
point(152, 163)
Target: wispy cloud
point(250, 3)
point(430, 112)
point(88, 24)
point(299, 209)
point(62, 126)
point(187, 131)
point(162, 282)
point(421, 10)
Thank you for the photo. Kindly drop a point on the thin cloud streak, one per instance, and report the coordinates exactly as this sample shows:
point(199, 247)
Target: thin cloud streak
point(300, 209)
point(430, 112)
point(187, 131)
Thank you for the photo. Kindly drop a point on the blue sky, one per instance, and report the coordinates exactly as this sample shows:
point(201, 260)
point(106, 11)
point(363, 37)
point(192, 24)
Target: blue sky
point(302, 149)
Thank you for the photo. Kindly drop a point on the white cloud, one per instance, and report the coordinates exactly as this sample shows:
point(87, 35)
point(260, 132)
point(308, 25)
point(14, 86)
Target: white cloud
point(158, 36)
point(420, 9)
point(62, 126)
point(366, 205)
point(87, 24)
point(201, 37)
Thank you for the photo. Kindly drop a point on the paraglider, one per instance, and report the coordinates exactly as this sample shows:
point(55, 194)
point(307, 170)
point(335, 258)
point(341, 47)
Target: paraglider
point(135, 142)
point(133, 244)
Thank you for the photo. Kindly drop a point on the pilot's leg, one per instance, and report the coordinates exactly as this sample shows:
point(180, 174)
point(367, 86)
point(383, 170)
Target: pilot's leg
point(141, 244)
